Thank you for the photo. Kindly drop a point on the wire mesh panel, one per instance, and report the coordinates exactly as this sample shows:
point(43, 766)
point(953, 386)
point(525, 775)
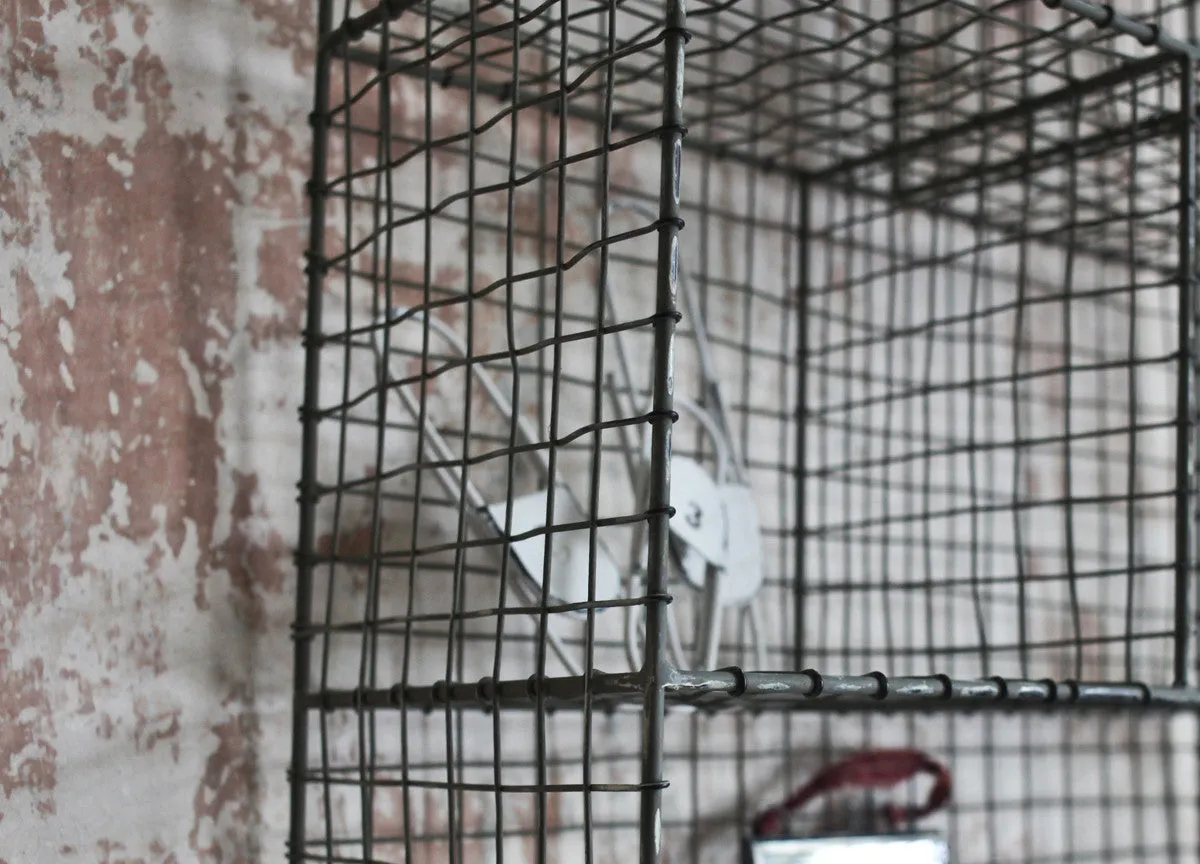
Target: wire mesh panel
point(1117, 788)
point(994, 409)
point(469, 513)
point(996, 360)
point(655, 410)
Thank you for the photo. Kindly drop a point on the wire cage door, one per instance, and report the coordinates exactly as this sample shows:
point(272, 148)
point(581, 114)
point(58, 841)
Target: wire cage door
point(697, 395)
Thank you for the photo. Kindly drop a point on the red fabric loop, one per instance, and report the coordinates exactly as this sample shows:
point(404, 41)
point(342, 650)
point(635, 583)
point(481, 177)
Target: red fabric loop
point(871, 769)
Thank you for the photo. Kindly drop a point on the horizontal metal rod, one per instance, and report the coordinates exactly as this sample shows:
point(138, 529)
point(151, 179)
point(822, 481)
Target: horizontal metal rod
point(736, 689)
point(1150, 35)
point(564, 692)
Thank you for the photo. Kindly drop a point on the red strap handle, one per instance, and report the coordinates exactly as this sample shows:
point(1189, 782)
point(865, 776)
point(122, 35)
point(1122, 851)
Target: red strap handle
point(871, 769)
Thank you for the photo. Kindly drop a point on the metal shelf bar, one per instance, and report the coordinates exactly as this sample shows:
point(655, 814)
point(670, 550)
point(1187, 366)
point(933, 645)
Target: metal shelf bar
point(740, 690)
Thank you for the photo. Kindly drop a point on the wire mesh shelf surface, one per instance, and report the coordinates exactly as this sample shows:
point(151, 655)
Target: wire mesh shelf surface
point(890, 301)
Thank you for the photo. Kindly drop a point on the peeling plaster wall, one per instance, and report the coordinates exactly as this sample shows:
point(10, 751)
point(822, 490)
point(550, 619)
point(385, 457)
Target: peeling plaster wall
point(152, 161)
point(152, 216)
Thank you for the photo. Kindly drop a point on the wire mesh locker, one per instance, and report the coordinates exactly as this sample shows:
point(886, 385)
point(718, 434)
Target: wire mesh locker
point(696, 396)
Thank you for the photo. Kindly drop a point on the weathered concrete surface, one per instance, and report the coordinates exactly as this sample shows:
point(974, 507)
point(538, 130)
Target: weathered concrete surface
point(152, 160)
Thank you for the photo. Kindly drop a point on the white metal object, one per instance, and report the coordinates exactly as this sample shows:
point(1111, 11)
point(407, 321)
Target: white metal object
point(719, 552)
point(881, 849)
point(701, 520)
point(570, 568)
point(736, 581)
point(699, 531)
point(570, 576)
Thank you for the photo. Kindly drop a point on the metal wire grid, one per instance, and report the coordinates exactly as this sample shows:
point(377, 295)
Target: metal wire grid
point(1037, 789)
point(1032, 789)
point(993, 412)
point(503, 202)
point(399, 595)
point(827, 83)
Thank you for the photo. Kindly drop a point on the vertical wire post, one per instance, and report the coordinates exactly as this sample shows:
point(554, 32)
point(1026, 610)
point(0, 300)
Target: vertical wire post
point(896, 102)
point(1186, 450)
point(799, 581)
point(315, 270)
point(654, 668)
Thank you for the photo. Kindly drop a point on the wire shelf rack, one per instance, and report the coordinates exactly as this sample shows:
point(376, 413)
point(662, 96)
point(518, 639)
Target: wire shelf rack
point(887, 305)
